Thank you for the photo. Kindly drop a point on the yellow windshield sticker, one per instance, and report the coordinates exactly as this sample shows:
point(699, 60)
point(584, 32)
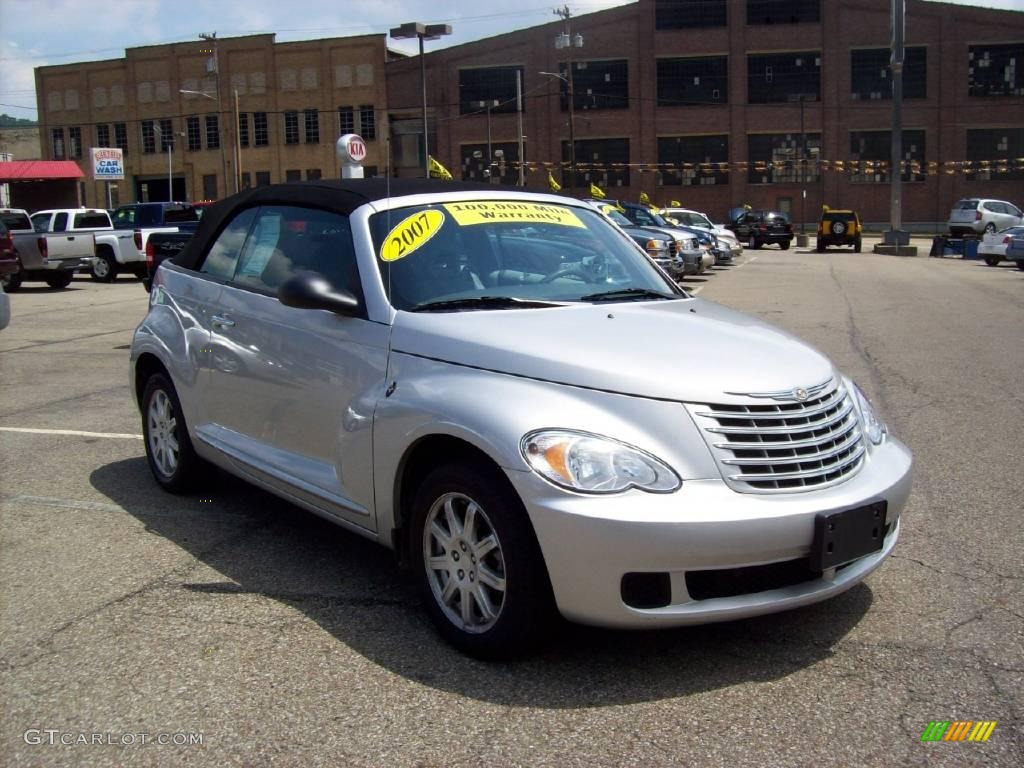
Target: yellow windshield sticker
point(466, 214)
point(411, 233)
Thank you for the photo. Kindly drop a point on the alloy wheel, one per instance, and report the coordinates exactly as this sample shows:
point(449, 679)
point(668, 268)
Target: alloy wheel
point(163, 439)
point(464, 562)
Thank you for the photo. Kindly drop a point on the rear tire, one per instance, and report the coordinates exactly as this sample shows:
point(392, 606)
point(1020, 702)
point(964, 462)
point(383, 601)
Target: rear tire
point(856, 245)
point(104, 269)
point(477, 563)
point(784, 245)
point(819, 246)
point(61, 279)
point(11, 281)
point(169, 452)
point(990, 227)
point(992, 261)
point(1020, 265)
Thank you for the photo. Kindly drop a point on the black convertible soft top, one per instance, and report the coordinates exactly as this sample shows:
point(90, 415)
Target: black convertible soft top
point(342, 196)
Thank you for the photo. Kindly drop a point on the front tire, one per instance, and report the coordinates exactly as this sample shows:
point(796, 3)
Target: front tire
point(477, 563)
point(856, 245)
point(753, 243)
point(784, 245)
point(169, 452)
point(1020, 264)
point(992, 261)
point(104, 269)
point(60, 280)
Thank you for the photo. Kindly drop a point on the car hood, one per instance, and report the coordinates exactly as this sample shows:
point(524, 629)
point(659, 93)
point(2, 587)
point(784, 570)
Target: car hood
point(689, 350)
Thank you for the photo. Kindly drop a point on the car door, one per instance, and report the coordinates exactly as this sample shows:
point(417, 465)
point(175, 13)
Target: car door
point(292, 391)
point(61, 243)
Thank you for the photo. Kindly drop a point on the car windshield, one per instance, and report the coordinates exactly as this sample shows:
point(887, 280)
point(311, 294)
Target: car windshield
point(833, 216)
point(487, 252)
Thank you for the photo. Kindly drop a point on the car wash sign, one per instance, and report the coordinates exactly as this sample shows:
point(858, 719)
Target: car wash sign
point(107, 164)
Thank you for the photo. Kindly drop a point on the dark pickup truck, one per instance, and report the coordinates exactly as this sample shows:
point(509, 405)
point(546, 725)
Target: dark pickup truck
point(165, 245)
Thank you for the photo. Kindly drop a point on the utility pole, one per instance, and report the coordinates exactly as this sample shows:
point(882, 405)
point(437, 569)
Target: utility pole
point(519, 110)
point(567, 40)
point(895, 236)
point(211, 37)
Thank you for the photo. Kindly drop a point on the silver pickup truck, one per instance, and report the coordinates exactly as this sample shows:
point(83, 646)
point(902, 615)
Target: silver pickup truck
point(52, 258)
point(116, 250)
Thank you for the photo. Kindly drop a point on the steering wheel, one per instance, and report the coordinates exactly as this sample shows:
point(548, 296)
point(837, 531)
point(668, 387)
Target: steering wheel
point(564, 271)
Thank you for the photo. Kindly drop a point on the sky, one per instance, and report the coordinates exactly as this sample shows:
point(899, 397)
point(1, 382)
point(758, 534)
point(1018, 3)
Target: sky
point(38, 32)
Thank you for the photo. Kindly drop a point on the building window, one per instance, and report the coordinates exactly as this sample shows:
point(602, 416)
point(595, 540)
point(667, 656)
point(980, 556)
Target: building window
point(369, 171)
point(783, 11)
point(57, 143)
point(695, 160)
point(148, 137)
point(686, 14)
point(291, 127)
point(194, 138)
point(312, 126)
point(779, 77)
point(121, 137)
point(346, 120)
point(690, 81)
point(595, 85)
point(368, 122)
point(102, 135)
point(212, 132)
point(870, 77)
point(994, 151)
point(780, 158)
point(871, 153)
point(75, 143)
point(246, 180)
point(503, 163)
point(260, 132)
point(262, 178)
point(243, 129)
point(488, 84)
point(995, 69)
point(210, 186)
point(312, 174)
point(166, 135)
point(604, 162)
point(293, 175)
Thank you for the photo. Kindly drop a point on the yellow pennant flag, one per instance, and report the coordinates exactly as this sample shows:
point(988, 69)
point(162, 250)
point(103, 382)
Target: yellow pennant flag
point(438, 171)
point(645, 199)
point(553, 185)
point(596, 191)
point(675, 203)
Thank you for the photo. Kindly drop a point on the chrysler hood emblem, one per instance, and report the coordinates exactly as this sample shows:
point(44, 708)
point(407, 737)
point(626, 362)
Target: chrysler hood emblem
point(800, 394)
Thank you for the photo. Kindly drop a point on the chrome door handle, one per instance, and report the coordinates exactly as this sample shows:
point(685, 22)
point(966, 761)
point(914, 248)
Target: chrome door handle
point(219, 321)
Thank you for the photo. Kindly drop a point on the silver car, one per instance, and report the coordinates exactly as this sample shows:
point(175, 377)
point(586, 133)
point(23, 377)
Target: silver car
point(978, 216)
point(502, 388)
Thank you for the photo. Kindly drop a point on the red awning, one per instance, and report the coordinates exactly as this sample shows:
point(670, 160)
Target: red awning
point(40, 170)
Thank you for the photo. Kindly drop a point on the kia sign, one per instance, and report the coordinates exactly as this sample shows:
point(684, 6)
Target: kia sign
point(351, 151)
point(107, 164)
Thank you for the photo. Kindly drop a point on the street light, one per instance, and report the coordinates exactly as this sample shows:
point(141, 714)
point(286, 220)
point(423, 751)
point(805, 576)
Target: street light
point(422, 32)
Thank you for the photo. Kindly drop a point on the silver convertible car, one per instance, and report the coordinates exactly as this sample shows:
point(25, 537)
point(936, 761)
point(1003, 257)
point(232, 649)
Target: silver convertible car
point(503, 388)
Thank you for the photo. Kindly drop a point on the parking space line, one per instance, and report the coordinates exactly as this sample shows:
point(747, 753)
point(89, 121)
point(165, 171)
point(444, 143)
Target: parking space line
point(73, 432)
point(751, 260)
point(49, 501)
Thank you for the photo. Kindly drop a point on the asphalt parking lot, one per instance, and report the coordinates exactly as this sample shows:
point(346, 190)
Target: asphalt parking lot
point(284, 641)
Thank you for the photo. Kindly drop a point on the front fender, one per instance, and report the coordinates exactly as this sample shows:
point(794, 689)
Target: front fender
point(492, 411)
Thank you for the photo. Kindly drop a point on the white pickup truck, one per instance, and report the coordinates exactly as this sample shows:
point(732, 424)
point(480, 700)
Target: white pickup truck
point(116, 250)
point(49, 257)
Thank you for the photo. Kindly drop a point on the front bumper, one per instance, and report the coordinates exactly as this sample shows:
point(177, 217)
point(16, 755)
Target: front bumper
point(590, 542)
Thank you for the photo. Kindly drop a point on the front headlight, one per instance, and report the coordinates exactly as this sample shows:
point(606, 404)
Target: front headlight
point(588, 463)
point(873, 426)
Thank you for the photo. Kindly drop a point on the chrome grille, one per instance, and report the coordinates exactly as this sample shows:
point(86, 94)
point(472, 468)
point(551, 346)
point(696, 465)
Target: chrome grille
point(786, 445)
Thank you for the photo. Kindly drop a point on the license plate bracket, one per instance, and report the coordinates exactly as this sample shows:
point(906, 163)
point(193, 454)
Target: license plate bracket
point(846, 535)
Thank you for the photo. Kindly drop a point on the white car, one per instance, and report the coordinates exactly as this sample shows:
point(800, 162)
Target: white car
point(691, 218)
point(993, 245)
point(974, 215)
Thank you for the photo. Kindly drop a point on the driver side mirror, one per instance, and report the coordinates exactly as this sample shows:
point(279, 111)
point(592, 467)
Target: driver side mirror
point(311, 290)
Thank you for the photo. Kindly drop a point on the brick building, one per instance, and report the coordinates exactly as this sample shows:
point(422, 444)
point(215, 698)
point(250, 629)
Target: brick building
point(716, 102)
point(292, 101)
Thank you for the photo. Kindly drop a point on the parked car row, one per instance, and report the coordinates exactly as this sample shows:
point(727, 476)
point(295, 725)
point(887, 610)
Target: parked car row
point(996, 247)
point(52, 245)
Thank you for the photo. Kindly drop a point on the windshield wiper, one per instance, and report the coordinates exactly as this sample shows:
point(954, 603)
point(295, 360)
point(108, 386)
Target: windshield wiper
point(628, 293)
point(482, 302)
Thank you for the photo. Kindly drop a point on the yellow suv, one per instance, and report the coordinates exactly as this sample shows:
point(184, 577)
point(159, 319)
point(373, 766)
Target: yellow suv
point(838, 228)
